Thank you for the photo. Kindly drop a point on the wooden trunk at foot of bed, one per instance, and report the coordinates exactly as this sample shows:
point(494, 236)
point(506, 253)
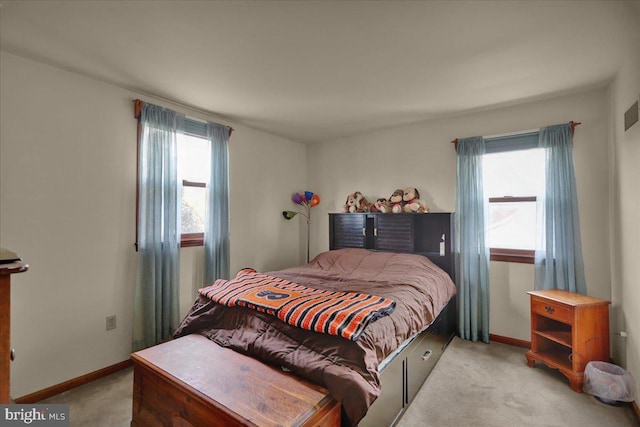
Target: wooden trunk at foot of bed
point(193, 382)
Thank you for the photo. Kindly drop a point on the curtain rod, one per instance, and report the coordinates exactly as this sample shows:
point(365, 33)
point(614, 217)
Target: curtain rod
point(573, 127)
point(138, 109)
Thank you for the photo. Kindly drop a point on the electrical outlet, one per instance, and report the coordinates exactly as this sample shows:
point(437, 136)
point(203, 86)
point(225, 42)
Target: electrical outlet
point(111, 322)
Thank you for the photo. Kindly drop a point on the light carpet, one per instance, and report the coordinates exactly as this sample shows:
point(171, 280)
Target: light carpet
point(477, 384)
point(473, 384)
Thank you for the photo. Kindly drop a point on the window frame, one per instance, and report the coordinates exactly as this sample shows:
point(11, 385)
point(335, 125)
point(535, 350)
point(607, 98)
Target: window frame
point(521, 256)
point(515, 142)
point(192, 239)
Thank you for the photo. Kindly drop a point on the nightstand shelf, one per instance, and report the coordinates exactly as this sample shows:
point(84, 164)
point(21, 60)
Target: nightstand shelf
point(561, 337)
point(568, 330)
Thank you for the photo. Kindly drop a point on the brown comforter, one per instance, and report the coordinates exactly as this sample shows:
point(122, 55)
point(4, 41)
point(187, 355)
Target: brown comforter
point(348, 369)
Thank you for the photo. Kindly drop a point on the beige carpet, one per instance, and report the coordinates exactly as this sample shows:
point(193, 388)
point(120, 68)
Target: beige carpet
point(106, 402)
point(477, 384)
point(473, 384)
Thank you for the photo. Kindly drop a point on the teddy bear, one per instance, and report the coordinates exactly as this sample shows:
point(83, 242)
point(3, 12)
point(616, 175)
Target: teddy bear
point(396, 201)
point(356, 202)
point(412, 202)
point(381, 205)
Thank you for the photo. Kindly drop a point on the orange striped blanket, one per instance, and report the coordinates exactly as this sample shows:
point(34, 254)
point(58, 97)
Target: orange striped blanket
point(345, 314)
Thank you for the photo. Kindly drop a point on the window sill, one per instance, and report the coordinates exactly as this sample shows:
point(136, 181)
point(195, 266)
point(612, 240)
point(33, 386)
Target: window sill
point(520, 256)
point(191, 239)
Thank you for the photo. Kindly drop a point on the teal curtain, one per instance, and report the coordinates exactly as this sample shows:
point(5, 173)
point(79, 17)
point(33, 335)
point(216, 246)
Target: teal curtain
point(558, 262)
point(471, 243)
point(156, 312)
point(216, 235)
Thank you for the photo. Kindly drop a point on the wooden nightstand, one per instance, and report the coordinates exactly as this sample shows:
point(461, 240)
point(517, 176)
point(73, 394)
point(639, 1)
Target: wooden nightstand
point(568, 330)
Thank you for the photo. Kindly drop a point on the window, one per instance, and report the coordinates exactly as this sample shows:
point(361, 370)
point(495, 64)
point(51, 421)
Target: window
point(193, 172)
point(194, 163)
point(513, 182)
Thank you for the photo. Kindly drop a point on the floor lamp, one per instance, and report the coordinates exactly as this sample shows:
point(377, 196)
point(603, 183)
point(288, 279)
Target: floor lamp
point(306, 200)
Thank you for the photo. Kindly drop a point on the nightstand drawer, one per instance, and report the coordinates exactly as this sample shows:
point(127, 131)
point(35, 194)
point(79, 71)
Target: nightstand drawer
point(554, 311)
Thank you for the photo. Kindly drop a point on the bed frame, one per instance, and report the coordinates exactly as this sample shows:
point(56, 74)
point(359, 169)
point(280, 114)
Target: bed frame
point(430, 235)
point(401, 378)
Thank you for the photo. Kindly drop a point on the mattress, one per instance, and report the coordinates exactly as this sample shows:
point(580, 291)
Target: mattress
point(349, 369)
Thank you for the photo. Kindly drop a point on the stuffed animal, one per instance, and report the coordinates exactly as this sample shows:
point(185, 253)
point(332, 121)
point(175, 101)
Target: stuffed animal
point(396, 201)
point(381, 205)
point(411, 198)
point(356, 202)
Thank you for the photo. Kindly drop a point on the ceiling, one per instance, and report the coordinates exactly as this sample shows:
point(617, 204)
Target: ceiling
point(313, 71)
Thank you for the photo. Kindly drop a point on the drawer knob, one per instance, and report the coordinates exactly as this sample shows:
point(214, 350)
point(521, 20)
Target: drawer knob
point(426, 355)
point(549, 309)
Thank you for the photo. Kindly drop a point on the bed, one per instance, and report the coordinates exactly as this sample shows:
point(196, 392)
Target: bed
point(373, 377)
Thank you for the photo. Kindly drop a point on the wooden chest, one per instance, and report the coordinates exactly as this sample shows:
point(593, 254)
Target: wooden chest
point(191, 381)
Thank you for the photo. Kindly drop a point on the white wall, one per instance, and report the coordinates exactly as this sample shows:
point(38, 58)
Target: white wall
point(422, 156)
point(625, 217)
point(265, 171)
point(67, 206)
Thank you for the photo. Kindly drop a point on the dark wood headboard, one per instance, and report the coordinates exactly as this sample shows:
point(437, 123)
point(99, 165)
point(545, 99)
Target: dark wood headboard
point(416, 233)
